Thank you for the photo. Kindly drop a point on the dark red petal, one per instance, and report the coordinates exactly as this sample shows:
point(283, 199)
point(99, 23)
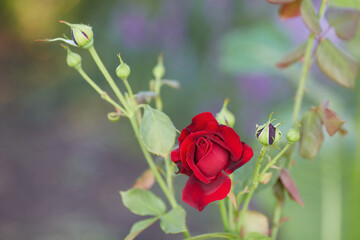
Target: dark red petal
point(184, 133)
point(214, 161)
point(247, 155)
point(201, 121)
point(185, 145)
point(198, 194)
point(175, 157)
point(232, 140)
point(190, 160)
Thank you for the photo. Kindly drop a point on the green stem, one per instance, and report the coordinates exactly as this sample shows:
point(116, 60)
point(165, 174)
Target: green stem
point(231, 210)
point(107, 76)
point(214, 235)
point(301, 88)
point(304, 73)
point(169, 171)
point(223, 214)
point(273, 161)
point(103, 94)
point(152, 165)
point(158, 101)
point(276, 220)
point(253, 187)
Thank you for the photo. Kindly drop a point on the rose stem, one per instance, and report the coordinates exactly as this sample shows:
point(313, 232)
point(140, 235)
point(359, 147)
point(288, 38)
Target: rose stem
point(135, 126)
point(231, 209)
point(298, 100)
point(223, 214)
point(253, 187)
point(103, 94)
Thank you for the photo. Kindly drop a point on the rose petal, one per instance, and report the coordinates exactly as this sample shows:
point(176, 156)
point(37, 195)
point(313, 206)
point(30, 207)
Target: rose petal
point(214, 161)
point(175, 157)
point(203, 147)
point(246, 156)
point(190, 160)
point(232, 140)
point(198, 194)
point(201, 121)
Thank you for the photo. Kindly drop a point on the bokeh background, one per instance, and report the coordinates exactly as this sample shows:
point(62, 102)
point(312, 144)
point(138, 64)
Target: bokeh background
point(62, 162)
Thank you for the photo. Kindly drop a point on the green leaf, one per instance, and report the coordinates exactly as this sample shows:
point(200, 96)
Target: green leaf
point(143, 202)
point(214, 235)
point(344, 20)
point(255, 222)
point(309, 16)
point(256, 236)
point(293, 56)
point(173, 221)
point(140, 226)
point(157, 131)
point(312, 135)
point(336, 64)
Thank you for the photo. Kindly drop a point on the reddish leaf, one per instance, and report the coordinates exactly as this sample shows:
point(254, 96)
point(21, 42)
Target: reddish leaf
point(336, 64)
point(292, 57)
point(280, 1)
point(331, 121)
point(312, 135)
point(255, 222)
point(309, 16)
point(290, 10)
point(344, 20)
point(145, 181)
point(290, 186)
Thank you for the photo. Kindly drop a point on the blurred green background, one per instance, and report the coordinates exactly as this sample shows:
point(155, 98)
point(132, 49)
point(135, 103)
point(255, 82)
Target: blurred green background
point(62, 162)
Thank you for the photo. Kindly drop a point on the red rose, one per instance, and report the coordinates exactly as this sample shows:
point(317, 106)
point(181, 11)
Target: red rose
point(206, 149)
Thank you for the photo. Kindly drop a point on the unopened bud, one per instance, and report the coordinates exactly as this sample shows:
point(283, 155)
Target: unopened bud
point(293, 135)
point(159, 69)
point(73, 59)
point(82, 35)
point(226, 117)
point(123, 70)
point(268, 134)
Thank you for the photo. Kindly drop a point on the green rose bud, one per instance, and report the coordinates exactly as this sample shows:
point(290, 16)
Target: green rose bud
point(159, 69)
point(123, 70)
point(82, 35)
point(293, 135)
point(226, 117)
point(268, 134)
point(73, 59)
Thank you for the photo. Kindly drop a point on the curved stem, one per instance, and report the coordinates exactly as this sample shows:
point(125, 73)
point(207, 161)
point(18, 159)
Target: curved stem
point(231, 210)
point(253, 187)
